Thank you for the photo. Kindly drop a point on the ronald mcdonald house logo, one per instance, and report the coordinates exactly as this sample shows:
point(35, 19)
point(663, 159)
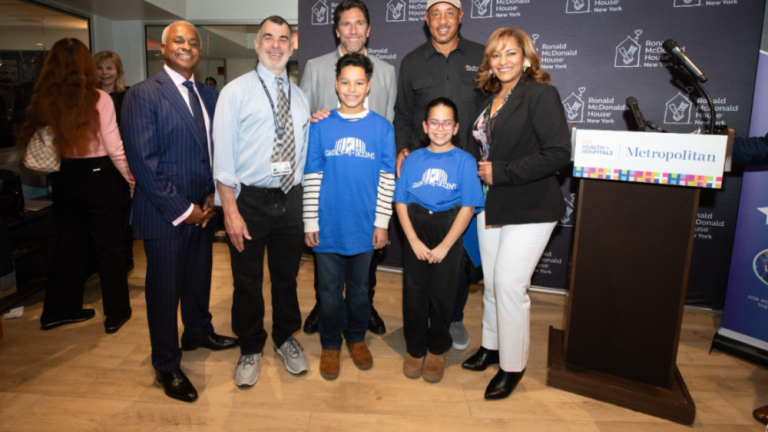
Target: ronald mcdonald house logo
point(628, 51)
point(678, 109)
point(397, 11)
point(482, 8)
point(577, 6)
point(687, 3)
point(574, 106)
point(321, 13)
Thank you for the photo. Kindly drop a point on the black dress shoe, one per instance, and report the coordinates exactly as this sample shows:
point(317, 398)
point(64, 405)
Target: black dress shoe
point(376, 324)
point(212, 342)
point(79, 316)
point(313, 320)
point(481, 359)
point(177, 385)
point(113, 322)
point(503, 384)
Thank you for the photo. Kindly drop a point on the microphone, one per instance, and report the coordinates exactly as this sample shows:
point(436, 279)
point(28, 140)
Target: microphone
point(639, 120)
point(683, 60)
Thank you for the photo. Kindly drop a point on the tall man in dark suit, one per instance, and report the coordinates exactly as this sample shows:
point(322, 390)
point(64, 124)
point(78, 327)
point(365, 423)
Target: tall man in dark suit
point(167, 131)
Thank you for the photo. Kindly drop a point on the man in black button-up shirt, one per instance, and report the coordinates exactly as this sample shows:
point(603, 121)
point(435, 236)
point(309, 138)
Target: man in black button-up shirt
point(445, 66)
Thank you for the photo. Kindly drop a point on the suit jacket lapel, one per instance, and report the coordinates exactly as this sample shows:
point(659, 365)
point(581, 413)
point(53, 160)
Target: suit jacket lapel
point(169, 91)
point(506, 112)
point(210, 107)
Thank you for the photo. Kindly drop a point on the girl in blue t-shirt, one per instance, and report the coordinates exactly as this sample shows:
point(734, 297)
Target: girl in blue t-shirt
point(435, 197)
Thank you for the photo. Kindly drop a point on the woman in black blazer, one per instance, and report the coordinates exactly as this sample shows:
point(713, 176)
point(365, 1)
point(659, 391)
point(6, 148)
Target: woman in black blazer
point(522, 139)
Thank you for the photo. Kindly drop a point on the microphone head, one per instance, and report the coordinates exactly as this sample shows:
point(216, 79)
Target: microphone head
point(669, 45)
point(631, 101)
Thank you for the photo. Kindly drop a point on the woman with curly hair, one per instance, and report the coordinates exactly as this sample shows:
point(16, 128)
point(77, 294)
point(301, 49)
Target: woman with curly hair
point(86, 190)
point(522, 139)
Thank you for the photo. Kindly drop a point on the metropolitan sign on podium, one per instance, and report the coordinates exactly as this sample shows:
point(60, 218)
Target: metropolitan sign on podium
point(671, 159)
point(631, 257)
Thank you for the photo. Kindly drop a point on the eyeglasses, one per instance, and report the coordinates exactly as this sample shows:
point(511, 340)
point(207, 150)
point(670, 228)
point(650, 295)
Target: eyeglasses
point(447, 124)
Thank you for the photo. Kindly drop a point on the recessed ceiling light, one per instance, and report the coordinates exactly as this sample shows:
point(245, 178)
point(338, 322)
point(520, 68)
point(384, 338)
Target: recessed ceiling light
point(39, 44)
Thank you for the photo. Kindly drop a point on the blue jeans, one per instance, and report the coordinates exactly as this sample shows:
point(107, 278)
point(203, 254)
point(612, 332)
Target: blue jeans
point(348, 315)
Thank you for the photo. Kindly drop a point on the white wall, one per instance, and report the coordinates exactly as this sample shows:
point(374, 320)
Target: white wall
point(103, 34)
point(129, 43)
point(240, 11)
point(239, 66)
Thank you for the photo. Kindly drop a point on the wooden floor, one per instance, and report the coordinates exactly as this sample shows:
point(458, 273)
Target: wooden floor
point(77, 378)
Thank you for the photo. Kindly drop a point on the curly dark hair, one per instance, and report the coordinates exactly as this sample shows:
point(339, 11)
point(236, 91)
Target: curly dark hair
point(441, 101)
point(355, 59)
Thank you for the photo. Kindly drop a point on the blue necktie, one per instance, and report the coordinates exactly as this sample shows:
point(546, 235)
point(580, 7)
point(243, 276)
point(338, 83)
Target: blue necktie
point(197, 111)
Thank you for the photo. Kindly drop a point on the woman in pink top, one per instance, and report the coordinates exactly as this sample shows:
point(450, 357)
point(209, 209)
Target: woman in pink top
point(86, 191)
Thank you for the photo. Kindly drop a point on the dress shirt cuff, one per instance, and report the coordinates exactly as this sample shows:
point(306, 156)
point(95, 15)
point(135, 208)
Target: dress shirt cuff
point(183, 217)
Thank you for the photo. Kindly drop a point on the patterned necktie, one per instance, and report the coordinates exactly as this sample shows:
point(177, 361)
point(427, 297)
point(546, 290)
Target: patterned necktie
point(284, 151)
point(197, 111)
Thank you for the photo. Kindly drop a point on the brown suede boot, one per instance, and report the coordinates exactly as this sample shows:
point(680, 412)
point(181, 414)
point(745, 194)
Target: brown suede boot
point(434, 367)
point(413, 366)
point(330, 364)
point(360, 355)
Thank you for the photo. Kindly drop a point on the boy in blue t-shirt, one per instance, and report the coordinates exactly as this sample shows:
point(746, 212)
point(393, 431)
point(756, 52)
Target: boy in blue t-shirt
point(435, 197)
point(349, 182)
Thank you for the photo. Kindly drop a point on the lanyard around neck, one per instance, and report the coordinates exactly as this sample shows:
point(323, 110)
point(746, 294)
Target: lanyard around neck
point(279, 130)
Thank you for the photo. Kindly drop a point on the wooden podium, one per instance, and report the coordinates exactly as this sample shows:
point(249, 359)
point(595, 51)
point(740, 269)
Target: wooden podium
point(631, 258)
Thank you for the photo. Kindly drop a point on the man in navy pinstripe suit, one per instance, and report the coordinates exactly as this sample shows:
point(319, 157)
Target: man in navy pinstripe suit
point(167, 132)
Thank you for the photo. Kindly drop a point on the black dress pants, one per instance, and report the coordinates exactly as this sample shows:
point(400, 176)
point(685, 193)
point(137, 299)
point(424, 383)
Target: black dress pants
point(274, 221)
point(429, 290)
point(86, 205)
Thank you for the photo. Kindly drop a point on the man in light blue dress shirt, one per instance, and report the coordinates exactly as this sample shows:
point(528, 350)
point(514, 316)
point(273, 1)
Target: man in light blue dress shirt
point(261, 132)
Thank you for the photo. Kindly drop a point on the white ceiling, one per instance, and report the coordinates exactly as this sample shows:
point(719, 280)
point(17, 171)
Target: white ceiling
point(117, 10)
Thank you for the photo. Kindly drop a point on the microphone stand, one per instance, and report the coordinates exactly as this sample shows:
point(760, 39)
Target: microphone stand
point(703, 91)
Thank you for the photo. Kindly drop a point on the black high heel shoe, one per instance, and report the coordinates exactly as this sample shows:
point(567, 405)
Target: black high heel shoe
point(481, 360)
point(502, 385)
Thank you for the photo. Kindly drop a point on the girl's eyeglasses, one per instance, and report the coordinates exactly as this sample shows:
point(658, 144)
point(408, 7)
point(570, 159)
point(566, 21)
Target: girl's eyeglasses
point(446, 124)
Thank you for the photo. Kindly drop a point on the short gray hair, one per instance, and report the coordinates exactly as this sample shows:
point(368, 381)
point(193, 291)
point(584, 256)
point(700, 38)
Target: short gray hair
point(165, 30)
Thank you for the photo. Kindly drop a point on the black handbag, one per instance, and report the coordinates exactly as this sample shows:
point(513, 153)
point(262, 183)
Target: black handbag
point(11, 196)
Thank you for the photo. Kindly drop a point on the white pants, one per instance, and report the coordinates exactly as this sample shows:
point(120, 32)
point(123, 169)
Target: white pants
point(510, 254)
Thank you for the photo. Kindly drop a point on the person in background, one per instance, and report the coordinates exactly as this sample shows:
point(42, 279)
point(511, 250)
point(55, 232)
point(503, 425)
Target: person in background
point(86, 190)
point(111, 80)
point(167, 129)
point(211, 82)
point(444, 66)
point(522, 139)
point(353, 27)
point(435, 198)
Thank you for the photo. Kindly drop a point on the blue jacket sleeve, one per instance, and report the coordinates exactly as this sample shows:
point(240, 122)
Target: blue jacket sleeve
point(142, 149)
point(750, 150)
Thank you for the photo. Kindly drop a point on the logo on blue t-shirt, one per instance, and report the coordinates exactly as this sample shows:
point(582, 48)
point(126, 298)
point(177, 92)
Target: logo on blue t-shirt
point(350, 147)
point(435, 177)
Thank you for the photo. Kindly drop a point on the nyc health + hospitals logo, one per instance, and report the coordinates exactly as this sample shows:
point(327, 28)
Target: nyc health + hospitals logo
point(321, 13)
point(396, 10)
point(482, 8)
point(577, 6)
point(628, 51)
point(574, 106)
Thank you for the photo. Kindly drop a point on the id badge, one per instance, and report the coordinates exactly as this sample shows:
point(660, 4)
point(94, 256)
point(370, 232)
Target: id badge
point(280, 169)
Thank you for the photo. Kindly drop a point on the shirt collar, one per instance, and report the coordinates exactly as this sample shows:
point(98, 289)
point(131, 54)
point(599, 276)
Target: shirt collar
point(176, 77)
point(269, 77)
point(340, 55)
point(430, 49)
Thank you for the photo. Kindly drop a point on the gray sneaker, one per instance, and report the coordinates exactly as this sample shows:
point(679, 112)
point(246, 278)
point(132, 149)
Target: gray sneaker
point(247, 370)
point(460, 335)
point(293, 354)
